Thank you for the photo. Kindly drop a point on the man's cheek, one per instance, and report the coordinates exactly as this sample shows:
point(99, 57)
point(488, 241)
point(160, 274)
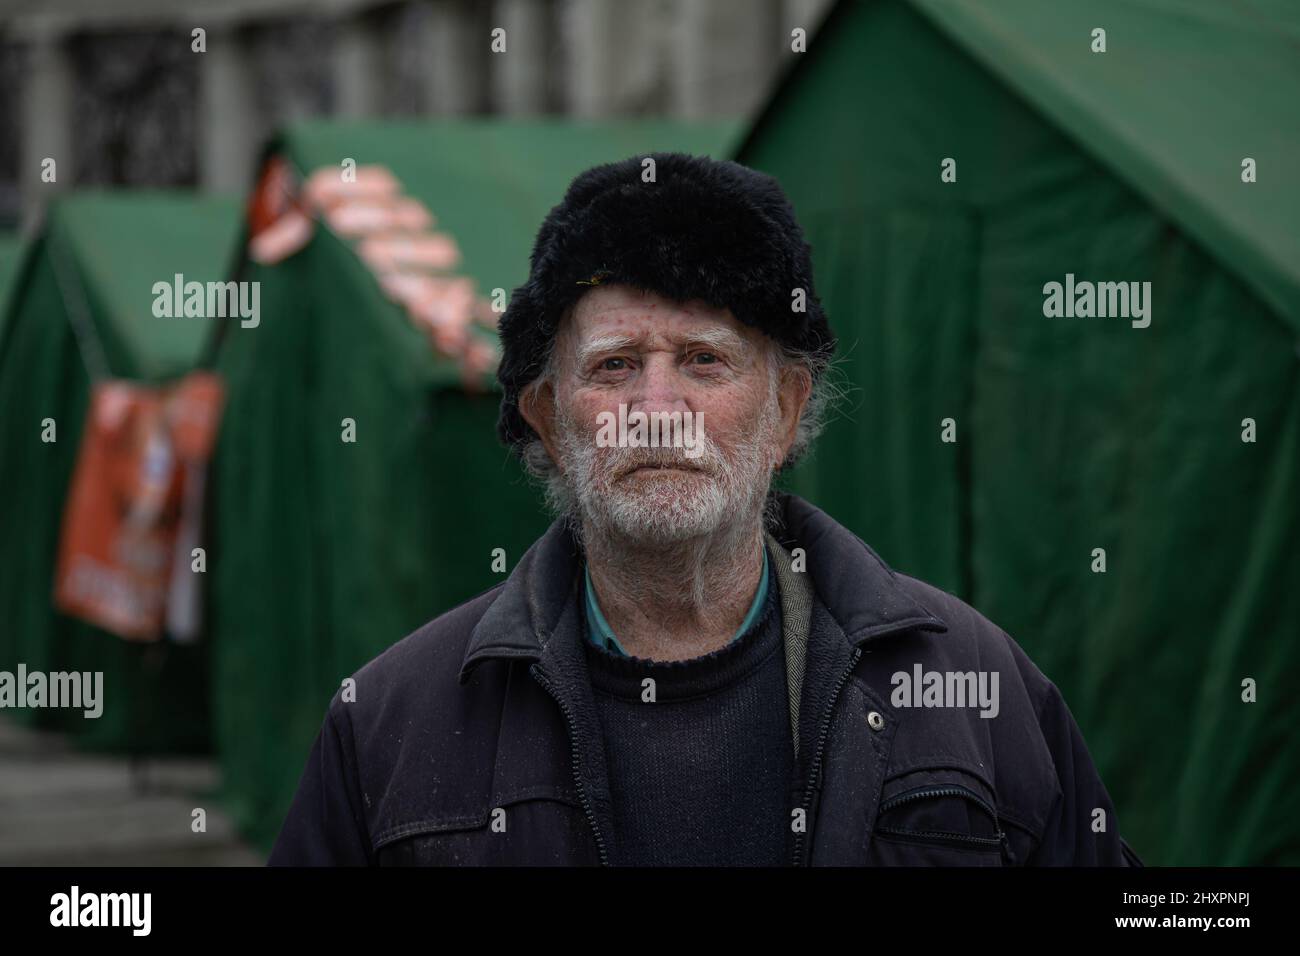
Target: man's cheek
point(727, 433)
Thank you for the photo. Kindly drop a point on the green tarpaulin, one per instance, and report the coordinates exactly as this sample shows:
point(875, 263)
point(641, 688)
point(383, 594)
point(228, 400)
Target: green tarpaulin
point(11, 253)
point(95, 262)
point(326, 552)
point(1077, 436)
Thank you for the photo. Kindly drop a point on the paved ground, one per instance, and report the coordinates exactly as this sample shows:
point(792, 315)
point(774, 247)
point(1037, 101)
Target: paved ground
point(60, 807)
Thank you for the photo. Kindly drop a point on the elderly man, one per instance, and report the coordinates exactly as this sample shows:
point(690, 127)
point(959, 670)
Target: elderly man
point(688, 668)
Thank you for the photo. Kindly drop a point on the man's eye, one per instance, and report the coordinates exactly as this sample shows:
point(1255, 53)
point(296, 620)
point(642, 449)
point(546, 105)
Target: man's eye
point(708, 358)
point(613, 364)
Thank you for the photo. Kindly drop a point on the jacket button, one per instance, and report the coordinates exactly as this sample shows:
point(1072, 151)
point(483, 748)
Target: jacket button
point(875, 721)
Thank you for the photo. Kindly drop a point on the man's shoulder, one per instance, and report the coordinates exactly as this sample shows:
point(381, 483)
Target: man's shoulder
point(422, 666)
point(963, 620)
point(421, 750)
point(859, 584)
point(989, 703)
point(972, 638)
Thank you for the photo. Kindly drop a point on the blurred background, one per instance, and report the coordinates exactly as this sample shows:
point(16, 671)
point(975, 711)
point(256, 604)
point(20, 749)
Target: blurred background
point(185, 508)
point(110, 89)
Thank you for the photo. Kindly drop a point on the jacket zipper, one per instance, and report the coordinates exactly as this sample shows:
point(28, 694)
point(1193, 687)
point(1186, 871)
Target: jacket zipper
point(960, 838)
point(950, 790)
point(814, 768)
point(577, 777)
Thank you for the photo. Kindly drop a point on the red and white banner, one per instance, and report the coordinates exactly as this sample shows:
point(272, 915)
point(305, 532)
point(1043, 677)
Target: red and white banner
point(131, 500)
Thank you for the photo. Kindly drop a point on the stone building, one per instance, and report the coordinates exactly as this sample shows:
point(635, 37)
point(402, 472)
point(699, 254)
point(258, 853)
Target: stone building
point(182, 92)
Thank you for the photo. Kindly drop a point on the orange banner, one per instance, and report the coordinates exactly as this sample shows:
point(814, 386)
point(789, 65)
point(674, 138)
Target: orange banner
point(128, 500)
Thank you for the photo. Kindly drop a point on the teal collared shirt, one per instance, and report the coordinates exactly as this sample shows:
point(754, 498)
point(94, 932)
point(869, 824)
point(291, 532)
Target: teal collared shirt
point(601, 635)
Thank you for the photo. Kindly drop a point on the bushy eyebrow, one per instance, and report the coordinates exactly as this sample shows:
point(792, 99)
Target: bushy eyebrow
point(600, 344)
point(724, 340)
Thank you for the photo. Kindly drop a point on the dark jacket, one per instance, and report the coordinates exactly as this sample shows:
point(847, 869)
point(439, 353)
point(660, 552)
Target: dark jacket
point(475, 740)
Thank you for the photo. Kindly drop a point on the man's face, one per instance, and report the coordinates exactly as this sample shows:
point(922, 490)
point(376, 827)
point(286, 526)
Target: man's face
point(637, 349)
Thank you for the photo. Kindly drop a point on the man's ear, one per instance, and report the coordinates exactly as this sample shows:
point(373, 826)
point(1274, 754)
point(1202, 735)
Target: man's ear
point(537, 406)
point(793, 391)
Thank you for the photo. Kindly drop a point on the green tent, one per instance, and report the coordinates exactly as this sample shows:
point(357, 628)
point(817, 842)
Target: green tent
point(11, 256)
point(326, 552)
point(82, 300)
point(1077, 435)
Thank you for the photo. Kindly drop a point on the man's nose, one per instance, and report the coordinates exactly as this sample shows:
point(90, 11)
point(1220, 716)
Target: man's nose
point(659, 388)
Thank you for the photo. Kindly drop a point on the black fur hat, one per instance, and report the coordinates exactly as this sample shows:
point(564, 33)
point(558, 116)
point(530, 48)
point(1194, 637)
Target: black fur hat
point(704, 229)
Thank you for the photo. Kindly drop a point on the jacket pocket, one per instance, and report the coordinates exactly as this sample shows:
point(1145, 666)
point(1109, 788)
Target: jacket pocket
point(938, 817)
point(527, 832)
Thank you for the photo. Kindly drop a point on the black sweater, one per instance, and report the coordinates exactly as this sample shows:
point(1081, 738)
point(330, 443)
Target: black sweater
point(703, 776)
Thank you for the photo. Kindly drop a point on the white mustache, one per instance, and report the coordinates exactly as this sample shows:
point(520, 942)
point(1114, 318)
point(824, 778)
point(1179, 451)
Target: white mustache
point(736, 483)
point(619, 461)
point(620, 468)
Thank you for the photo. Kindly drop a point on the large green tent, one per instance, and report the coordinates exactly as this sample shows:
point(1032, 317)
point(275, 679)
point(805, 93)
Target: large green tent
point(326, 551)
point(11, 254)
point(81, 302)
point(1074, 434)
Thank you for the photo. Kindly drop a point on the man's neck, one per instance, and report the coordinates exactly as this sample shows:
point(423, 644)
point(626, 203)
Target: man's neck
point(679, 602)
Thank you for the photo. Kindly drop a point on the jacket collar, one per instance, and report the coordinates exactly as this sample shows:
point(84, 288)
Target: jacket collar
point(860, 591)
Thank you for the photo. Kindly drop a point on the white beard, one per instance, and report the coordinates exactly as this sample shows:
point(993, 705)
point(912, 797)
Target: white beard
point(724, 497)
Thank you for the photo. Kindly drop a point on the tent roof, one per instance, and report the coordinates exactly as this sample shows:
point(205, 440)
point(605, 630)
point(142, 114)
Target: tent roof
point(121, 243)
point(1185, 91)
point(490, 182)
